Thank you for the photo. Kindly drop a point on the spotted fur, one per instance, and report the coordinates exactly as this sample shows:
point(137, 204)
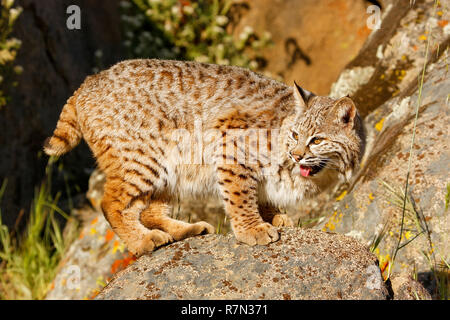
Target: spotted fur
point(166, 129)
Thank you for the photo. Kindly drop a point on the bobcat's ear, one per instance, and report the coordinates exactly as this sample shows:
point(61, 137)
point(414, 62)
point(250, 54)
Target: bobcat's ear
point(345, 111)
point(302, 96)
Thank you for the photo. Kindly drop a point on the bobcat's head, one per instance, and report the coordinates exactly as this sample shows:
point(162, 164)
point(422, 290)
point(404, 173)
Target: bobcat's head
point(325, 135)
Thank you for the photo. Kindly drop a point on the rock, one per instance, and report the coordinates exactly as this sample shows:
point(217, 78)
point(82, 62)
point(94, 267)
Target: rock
point(304, 264)
point(406, 288)
point(392, 57)
point(90, 261)
point(301, 30)
point(95, 192)
point(98, 253)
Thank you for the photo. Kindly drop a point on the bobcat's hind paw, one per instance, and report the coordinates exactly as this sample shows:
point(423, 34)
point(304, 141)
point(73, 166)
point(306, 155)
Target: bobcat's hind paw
point(264, 233)
point(182, 230)
point(282, 220)
point(150, 241)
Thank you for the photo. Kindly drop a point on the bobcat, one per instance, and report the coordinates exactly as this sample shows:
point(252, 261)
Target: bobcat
point(142, 118)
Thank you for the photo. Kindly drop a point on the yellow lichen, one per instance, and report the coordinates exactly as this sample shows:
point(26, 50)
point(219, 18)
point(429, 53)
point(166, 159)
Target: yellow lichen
point(333, 222)
point(118, 247)
point(408, 235)
point(341, 196)
point(379, 125)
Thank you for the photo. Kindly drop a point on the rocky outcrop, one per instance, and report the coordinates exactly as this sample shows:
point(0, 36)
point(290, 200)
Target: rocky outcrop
point(303, 264)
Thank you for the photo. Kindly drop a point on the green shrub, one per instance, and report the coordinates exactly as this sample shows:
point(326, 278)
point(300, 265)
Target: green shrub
point(8, 48)
point(181, 29)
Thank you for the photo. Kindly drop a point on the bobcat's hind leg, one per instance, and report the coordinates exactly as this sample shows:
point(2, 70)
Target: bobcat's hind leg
point(272, 215)
point(122, 205)
point(155, 216)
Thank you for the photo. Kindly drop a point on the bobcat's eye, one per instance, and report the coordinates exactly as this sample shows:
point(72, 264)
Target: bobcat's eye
point(316, 140)
point(294, 135)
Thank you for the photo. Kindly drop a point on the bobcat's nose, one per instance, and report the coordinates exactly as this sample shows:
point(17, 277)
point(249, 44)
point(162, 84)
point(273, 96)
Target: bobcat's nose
point(296, 157)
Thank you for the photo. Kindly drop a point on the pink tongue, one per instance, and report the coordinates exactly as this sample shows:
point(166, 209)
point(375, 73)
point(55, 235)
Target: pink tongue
point(304, 171)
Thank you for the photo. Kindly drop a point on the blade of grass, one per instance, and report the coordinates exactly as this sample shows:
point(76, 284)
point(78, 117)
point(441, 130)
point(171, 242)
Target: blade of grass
point(419, 101)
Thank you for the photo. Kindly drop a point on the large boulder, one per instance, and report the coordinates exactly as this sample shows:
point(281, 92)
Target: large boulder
point(303, 264)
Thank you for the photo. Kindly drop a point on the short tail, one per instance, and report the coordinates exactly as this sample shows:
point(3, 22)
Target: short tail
point(67, 133)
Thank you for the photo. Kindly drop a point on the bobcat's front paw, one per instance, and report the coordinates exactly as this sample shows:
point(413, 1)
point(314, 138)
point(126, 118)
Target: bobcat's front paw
point(150, 241)
point(282, 220)
point(264, 233)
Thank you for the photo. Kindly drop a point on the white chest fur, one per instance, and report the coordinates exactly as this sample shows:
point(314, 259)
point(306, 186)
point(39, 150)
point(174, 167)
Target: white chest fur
point(283, 190)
